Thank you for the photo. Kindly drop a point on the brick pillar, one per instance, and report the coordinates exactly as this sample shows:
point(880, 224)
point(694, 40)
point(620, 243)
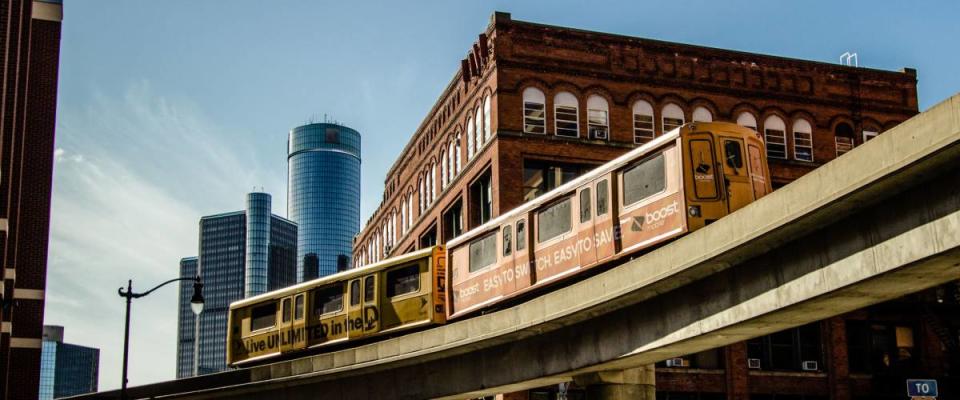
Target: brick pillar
point(524, 395)
point(834, 334)
point(738, 377)
point(633, 384)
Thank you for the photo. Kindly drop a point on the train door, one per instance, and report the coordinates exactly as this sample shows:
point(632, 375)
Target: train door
point(584, 245)
point(603, 225)
point(521, 255)
point(371, 304)
point(286, 324)
point(355, 309)
point(736, 178)
point(505, 265)
point(758, 171)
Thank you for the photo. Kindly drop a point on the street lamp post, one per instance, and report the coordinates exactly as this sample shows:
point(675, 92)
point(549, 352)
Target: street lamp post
point(196, 304)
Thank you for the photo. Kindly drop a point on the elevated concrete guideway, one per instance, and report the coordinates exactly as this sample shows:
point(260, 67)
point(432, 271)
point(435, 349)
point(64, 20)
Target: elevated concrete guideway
point(878, 223)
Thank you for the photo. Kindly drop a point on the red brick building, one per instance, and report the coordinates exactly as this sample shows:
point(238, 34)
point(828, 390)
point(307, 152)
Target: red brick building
point(30, 50)
point(533, 106)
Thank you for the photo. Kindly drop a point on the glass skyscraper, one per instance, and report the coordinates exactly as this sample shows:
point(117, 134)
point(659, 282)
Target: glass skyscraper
point(66, 369)
point(323, 197)
point(238, 251)
point(186, 320)
point(258, 243)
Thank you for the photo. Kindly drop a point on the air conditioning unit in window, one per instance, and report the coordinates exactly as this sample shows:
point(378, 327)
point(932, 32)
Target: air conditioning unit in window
point(678, 363)
point(753, 363)
point(810, 366)
point(598, 133)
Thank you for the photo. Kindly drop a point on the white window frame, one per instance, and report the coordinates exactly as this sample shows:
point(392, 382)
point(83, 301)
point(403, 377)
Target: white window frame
point(701, 114)
point(641, 108)
point(470, 143)
point(802, 127)
point(746, 119)
point(534, 97)
point(598, 117)
point(867, 135)
point(567, 101)
point(479, 122)
point(487, 134)
point(674, 113)
point(774, 124)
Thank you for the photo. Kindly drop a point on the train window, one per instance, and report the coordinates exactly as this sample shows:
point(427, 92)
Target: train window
point(368, 289)
point(585, 205)
point(298, 308)
point(286, 310)
point(483, 252)
point(507, 240)
point(553, 221)
point(404, 280)
point(355, 292)
point(644, 180)
point(521, 235)
point(262, 317)
point(328, 299)
point(602, 197)
point(733, 154)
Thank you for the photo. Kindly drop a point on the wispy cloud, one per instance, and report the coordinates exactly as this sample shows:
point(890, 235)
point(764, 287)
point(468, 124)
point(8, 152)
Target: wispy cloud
point(134, 172)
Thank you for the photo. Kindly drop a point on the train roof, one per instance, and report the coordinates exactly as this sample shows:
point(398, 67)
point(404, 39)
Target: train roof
point(340, 276)
point(593, 174)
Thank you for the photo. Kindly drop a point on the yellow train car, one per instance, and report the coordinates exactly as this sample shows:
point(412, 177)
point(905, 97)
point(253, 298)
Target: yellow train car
point(394, 295)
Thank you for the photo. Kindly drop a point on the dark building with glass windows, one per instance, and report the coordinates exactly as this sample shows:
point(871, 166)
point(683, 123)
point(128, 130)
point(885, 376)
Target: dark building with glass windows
point(323, 196)
point(186, 320)
point(66, 369)
point(225, 243)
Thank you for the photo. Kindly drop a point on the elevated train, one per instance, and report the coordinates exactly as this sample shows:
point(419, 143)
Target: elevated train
point(673, 185)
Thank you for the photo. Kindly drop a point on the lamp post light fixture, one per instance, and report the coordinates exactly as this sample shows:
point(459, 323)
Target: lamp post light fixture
point(196, 304)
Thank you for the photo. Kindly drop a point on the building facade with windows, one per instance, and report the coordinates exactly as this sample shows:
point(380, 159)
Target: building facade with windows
point(323, 196)
point(66, 369)
point(30, 53)
point(186, 320)
point(534, 106)
point(222, 266)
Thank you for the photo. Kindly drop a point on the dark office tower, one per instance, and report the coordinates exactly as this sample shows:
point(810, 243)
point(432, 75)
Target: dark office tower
point(323, 195)
point(186, 320)
point(66, 369)
point(258, 243)
point(221, 263)
point(30, 55)
point(225, 244)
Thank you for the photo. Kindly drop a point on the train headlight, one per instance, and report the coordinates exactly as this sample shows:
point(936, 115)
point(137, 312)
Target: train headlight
point(694, 211)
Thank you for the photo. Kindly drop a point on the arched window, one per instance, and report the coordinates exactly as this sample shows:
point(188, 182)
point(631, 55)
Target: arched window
point(452, 160)
point(642, 122)
point(479, 122)
point(747, 120)
point(443, 168)
point(533, 110)
point(802, 140)
point(420, 195)
point(701, 114)
point(459, 153)
point(672, 117)
point(487, 134)
point(774, 132)
point(598, 117)
point(433, 183)
point(843, 138)
point(403, 214)
point(566, 115)
point(470, 141)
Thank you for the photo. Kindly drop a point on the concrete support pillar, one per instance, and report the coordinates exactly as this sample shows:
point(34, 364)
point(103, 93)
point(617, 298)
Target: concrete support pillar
point(633, 384)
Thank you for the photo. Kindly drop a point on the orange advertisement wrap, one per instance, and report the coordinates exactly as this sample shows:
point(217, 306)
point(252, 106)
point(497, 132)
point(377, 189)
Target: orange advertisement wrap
point(440, 284)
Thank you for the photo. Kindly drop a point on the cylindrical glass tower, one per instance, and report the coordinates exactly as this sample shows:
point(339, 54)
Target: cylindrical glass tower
point(258, 244)
point(323, 196)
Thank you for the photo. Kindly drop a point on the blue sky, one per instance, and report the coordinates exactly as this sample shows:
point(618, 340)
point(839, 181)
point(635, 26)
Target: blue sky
point(170, 110)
